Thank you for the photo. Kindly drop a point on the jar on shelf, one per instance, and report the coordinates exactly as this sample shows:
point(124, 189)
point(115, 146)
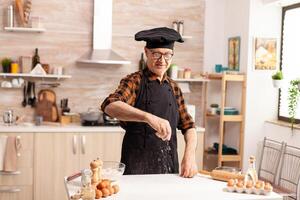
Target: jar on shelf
point(15, 68)
point(187, 73)
point(173, 71)
point(180, 73)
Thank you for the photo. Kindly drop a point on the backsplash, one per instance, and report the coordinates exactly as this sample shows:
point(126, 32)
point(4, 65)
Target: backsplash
point(68, 36)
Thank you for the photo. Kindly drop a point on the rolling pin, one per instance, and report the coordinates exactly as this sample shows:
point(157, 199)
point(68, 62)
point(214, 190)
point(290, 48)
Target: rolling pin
point(222, 175)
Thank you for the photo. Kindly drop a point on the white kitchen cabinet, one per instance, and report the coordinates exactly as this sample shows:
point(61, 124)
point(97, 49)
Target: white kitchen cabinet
point(62, 154)
point(16, 185)
point(199, 150)
point(106, 146)
point(16, 193)
point(56, 155)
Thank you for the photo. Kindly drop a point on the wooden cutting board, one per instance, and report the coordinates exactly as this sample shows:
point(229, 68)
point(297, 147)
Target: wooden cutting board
point(19, 6)
point(46, 105)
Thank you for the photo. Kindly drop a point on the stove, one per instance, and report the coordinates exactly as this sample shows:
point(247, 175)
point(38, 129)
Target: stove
point(97, 123)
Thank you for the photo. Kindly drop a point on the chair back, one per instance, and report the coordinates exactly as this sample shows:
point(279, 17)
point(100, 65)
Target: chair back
point(270, 158)
point(289, 175)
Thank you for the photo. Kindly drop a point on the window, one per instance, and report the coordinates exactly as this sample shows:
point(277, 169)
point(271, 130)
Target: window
point(290, 57)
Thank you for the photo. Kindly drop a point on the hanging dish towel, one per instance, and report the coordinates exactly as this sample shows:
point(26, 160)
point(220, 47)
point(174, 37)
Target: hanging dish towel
point(11, 153)
point(3, 140)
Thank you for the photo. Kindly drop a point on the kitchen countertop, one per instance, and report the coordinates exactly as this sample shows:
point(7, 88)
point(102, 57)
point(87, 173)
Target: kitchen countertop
point(171, 186)
point(73, 128)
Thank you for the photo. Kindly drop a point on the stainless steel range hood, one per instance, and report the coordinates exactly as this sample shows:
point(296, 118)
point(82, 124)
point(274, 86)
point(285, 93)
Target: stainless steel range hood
point(102, 37)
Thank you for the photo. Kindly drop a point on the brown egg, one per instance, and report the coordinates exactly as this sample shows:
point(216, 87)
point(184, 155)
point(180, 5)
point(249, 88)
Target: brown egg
point(100, 186)
point(249, 184)
point(103, 184)
point(108, 182)
point(105, 192)
point(111, 190)
point(230, 183)
point(240, 184)
point(258, 185)
point(116, 189)
point(268, 187)
point(98, 194)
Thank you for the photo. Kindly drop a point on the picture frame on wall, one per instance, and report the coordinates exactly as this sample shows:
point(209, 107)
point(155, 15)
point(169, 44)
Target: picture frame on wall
point(265, 53)
point(234, 44)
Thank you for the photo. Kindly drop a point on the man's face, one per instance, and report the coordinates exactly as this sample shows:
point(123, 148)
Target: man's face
point(159, 60)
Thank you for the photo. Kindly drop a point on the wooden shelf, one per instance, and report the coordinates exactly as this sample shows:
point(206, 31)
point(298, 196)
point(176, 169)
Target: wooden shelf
point(132, 36)
point(24, 29)
point(36, 76)
point(227, 158)
point(191, 80)
point(227, 118)
point(187, 37)
point(232, 118)
point(224, 79)
point(227, 77)
point(212, 116)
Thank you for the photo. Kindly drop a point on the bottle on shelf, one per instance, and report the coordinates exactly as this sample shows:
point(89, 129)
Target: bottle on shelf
point(175, 25)
point(180, 27)
point(142, 63)
point(35, 58)
point(10, 16)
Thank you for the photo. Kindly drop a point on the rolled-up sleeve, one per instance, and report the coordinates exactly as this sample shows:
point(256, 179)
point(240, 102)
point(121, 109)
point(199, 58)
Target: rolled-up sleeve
point(126, 92)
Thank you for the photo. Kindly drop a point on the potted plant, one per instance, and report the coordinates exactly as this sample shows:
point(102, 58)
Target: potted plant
point(277, 79)
point(293, 97)
point(6, 62)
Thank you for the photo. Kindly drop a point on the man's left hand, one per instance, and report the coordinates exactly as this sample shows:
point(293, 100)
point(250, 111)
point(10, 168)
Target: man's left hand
point(188, 166)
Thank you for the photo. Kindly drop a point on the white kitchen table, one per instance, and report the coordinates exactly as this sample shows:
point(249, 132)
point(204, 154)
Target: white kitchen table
point(174, 187)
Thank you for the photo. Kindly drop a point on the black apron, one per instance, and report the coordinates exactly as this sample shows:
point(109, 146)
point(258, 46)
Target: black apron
point(142, 151)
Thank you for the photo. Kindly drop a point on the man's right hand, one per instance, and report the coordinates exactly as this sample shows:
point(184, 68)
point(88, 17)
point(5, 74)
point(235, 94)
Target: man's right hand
point(162, 126)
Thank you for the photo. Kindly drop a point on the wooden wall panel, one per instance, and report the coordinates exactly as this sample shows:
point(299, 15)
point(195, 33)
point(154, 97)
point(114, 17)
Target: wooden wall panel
point(69, 35)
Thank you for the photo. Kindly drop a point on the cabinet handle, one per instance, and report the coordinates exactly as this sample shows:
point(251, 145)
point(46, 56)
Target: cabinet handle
point(9, 190)
point(10, 173)
point(74, 144)
point(18, 145)
point(83, 144)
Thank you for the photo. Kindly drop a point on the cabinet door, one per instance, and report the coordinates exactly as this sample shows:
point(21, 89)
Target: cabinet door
point(16, 193)
point(199, 150)
point(56, 156)
point(23, 176)
point(106, 146)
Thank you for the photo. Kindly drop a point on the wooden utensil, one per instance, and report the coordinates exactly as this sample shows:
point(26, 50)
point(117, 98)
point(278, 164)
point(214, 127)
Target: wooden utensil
point(44, 109)
point(19, 6)
point(27, 10)
point(46, 105)
point(222, 175)
point(24, 102)
point(50, 94)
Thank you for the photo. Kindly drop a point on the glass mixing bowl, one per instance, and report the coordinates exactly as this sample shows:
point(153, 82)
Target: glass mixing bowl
point(112, 170)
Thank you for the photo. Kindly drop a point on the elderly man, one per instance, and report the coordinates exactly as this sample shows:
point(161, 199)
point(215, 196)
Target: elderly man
point(151, 107)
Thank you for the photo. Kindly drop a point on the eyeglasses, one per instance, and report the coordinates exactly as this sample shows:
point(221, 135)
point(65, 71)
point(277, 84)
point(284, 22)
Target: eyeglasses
point(157, 55)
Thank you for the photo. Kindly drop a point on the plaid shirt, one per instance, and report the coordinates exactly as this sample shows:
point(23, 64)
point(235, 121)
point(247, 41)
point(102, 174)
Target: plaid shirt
point(128, 89)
